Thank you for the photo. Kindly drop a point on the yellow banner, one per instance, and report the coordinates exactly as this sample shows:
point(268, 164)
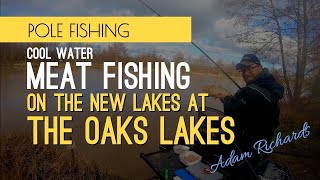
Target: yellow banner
point(95, 29)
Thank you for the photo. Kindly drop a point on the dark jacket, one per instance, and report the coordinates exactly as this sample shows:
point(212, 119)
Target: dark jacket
point(255, 108)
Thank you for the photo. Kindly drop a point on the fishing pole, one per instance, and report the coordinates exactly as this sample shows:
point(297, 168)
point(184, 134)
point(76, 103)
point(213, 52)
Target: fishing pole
point(250, 166)
point(195, 45)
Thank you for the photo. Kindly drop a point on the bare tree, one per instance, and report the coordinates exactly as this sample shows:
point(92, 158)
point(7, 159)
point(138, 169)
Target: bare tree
point(282, 31)
point(11, 53)
point(178, 57)
point(115, 52)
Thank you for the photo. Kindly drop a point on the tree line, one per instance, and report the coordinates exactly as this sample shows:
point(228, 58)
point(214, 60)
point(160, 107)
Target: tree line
point(15, 53)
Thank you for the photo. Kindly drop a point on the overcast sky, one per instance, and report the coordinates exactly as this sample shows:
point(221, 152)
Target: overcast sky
point(209, 24)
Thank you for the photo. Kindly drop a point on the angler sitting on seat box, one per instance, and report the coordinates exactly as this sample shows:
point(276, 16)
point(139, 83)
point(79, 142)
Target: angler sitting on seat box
point(255, 108)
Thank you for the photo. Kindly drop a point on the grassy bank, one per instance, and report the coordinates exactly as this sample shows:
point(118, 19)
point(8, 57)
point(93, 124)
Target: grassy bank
point(20, 159)
point(301, 156)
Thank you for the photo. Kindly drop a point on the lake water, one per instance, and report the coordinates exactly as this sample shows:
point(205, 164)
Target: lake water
point(122, 159)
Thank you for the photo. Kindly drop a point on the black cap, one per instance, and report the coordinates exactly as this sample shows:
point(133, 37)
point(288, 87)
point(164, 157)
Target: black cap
point(248, 60)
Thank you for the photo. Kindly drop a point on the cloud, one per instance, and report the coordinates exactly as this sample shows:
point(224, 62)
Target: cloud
point(223, 27)
point(207, 26)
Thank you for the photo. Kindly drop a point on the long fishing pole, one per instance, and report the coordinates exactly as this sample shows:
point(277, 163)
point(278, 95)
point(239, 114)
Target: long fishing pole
point(234, 82)
point(250, 166)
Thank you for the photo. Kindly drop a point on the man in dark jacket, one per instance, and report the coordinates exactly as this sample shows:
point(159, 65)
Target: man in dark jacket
point(255, 107)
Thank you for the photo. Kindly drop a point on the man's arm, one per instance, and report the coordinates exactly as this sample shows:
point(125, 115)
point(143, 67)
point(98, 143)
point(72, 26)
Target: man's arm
point(245, 107)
